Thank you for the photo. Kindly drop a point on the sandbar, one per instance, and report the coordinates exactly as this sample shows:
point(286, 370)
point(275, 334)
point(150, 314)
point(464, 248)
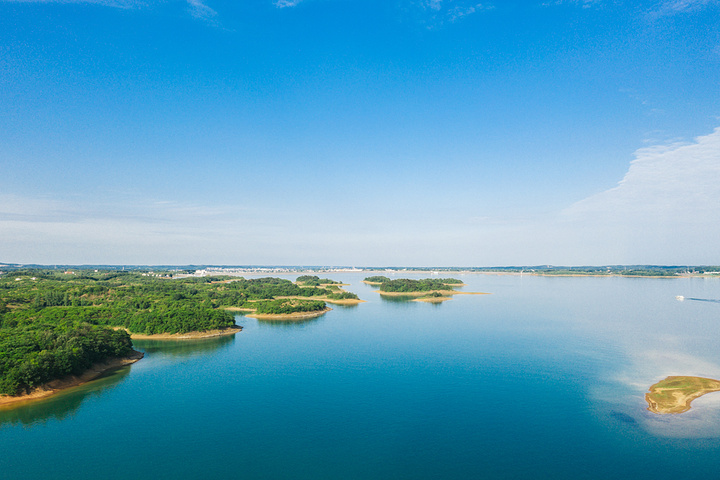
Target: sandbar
point(55, 386)
point(289, 316)
point(432, 299)
point(188, 335)
point(344, 301)
point(674, 394)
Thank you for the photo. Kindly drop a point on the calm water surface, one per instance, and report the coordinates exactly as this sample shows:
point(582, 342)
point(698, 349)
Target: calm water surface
point(545, 378)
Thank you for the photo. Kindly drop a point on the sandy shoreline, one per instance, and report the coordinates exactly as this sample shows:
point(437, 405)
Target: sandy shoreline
point(344, 301)
point(55, 386)
point(428, 292)
point(289, 316)
point(432, 299)
point(188, 335)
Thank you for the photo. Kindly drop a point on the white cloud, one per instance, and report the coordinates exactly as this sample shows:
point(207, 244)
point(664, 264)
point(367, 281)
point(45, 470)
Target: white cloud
point(667, 206)
point(676, 181)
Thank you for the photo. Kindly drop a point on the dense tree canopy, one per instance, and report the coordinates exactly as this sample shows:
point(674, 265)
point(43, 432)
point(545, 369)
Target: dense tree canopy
point(31, 355)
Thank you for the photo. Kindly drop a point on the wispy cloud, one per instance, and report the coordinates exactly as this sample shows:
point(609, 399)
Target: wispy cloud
point(197, 8)
point(439, 12)
point(673, 7)
point(580, 3)
point(126, 229)
point(287, 3)
point(458, 11)
point(106, 3)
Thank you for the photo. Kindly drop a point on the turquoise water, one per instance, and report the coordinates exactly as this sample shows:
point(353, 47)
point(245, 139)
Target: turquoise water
point(545, 378)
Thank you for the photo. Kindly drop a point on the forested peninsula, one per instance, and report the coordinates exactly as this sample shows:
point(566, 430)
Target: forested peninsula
point(57, 324)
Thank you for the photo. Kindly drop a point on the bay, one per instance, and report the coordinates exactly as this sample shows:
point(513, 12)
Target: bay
point(543, 378)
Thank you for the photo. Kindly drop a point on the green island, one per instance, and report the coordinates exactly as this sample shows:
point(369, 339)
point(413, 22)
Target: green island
point(324, 289)
point(314, 281)
point(289, 309)
point(59, 329)
point(432, 290)
point(674, 394)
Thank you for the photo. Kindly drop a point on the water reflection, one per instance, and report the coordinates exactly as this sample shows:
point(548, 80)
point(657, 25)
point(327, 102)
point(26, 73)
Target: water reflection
point(62, 405)
point(294, 323)
point(397, 298)
point(349, 306)
point(184, 348)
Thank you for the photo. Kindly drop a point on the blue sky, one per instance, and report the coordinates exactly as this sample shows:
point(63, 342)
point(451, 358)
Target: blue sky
point(349, 132)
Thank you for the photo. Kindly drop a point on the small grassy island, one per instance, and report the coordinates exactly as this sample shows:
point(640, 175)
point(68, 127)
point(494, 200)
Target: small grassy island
point(433, 297)
point(59, 329)
point(674, 394)
point(433, 290)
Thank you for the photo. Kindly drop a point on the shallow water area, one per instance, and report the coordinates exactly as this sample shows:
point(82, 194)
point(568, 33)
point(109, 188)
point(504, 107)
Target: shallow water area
point(544, 378)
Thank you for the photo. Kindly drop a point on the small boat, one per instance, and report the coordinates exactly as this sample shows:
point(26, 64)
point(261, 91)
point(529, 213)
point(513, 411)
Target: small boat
point(679, 298)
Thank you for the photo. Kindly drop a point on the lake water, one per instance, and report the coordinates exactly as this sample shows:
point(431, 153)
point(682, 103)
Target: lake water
point(545, 378)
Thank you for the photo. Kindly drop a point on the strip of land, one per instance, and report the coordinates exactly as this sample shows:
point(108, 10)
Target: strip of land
point(432, 299)
point(344, 301)
point(289, 316)
point(675, 394)
point(55, 386)
point(188, 335)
